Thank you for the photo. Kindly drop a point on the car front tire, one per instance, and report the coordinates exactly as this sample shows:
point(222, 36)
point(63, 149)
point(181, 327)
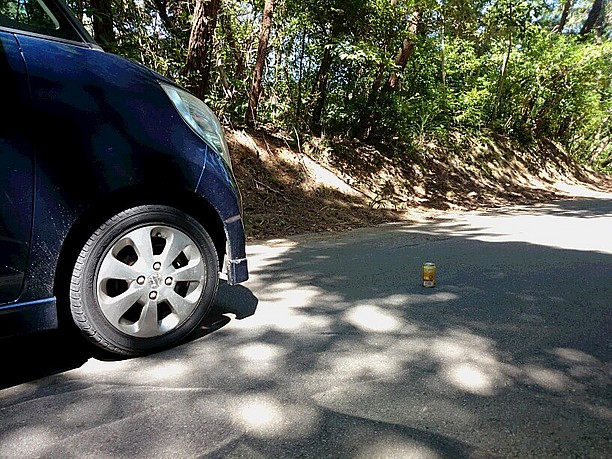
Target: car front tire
point(144, 280)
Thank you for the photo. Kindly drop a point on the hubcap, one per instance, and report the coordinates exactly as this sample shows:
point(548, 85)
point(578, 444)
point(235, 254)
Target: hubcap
point(150, 281)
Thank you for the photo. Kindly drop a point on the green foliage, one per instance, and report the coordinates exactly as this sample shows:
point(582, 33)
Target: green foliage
point(473, 65)
point(561, 88)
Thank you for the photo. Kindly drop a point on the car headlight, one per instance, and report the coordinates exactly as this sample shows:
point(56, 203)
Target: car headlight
point(200, 118)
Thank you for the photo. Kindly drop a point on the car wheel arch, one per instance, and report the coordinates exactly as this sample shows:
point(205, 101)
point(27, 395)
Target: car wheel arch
point(91, 218)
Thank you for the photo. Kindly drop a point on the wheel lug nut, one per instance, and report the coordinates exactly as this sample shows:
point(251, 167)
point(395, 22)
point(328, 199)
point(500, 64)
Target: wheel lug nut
point(168, 280)
point(140, 280)
point(156, 266)
point(153, 295)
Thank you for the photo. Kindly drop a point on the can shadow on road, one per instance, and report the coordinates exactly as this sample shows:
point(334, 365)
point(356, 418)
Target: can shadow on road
point(30, 357)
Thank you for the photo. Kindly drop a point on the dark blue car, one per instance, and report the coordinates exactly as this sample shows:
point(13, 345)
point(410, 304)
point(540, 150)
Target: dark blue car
point(119, 210)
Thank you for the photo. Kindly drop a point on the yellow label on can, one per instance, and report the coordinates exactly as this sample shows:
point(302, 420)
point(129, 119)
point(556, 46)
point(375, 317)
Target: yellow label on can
point(429, 274)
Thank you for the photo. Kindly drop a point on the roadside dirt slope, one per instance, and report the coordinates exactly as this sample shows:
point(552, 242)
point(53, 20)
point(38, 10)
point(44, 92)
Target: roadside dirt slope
point(290, 186)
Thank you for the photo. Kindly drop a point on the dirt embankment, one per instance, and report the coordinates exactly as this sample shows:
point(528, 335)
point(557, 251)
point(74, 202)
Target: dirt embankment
point(291, 186)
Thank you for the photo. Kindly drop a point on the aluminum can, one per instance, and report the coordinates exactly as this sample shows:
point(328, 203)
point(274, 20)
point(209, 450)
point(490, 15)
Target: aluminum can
point(429, 274)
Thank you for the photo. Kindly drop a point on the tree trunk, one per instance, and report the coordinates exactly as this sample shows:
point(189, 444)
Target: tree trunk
point(502, 78)
point(236, 51)
point(103, 23)
point(564, 13)
point(299, 104)
point(320, 91)
point(504, 71)
point(363, 130)
point(199, 52)
point(443, 51)
point(595, 19)
point(406, 50)
point(250, 116)
point(363, 126)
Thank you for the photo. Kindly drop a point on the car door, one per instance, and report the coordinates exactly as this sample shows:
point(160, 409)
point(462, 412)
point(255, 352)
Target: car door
point(16, 170)
point(21, 136)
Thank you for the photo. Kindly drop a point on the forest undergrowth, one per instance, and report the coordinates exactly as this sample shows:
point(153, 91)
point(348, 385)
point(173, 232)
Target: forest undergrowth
point(293, 185)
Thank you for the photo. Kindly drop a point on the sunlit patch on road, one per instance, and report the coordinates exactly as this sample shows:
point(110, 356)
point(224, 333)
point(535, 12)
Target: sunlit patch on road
point(396, 447)
point(372, 318)
point(28, 441)
point(552, 227)
point(471, 379)
point(165, 371)
point(261, 359)
point(546, 378)
point(264, 416)
point(259, 352)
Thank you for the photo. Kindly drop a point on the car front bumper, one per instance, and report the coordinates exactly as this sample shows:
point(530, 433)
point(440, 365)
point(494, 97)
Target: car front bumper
point(236, 265)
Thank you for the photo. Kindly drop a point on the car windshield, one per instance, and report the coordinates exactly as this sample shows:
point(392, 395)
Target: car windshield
point(36, 16)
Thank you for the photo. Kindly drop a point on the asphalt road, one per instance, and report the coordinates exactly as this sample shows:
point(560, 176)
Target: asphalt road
point(334, 349)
